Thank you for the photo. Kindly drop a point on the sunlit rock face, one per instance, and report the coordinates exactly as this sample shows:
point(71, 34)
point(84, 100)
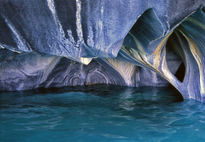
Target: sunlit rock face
point(56, 43)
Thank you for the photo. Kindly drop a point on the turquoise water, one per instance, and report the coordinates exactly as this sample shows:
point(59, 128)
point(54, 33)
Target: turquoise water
point(99, 115)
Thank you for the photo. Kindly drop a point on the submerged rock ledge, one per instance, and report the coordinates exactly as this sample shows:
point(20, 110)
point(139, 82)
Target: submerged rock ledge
point(56, 43)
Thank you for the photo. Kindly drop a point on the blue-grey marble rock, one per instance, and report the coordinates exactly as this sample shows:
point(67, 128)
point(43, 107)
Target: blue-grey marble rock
point(80, 28)
point(56, 43)
point(32, 70)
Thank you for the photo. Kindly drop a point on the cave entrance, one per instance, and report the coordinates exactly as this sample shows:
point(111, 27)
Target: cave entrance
point(175, 62)
point(175, 57)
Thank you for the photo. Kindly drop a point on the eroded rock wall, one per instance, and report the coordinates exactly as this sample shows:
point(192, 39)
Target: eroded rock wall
point(55, 43)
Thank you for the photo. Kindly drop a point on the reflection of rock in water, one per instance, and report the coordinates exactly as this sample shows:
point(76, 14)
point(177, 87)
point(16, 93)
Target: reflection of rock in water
point(132, 43)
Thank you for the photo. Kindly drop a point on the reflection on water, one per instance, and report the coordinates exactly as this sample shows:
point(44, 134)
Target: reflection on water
point(100, 114)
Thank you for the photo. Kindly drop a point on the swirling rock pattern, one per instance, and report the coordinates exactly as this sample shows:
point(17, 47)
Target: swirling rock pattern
point(55, 43)
point(32, 70)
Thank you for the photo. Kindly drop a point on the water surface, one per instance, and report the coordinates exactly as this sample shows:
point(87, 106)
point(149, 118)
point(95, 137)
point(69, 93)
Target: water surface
point(100, 114)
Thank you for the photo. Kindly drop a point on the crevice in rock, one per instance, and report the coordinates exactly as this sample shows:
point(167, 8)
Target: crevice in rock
point(180, 74)
point(174, 58)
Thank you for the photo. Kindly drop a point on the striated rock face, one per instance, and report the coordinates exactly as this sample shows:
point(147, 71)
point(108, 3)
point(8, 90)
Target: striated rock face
point(56, 43)
point(32, 70)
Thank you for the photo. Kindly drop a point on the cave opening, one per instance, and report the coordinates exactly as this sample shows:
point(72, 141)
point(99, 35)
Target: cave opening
point(175, 62)
point(180, 74)
point(174, 57)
